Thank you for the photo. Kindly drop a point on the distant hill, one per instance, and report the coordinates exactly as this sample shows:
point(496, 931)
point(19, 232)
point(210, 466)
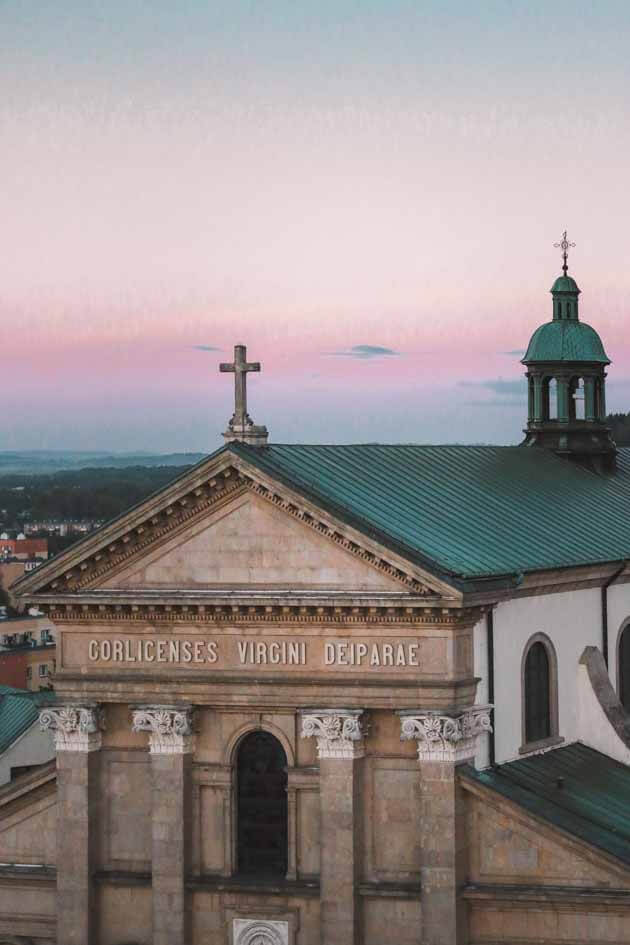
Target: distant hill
point(44, 462)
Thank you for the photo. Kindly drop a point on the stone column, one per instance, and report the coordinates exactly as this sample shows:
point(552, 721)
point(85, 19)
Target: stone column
point(444, 741)
point(538, 398)
point(76, 730)
point(339, 734)
point(589, 398)
point(170, 744)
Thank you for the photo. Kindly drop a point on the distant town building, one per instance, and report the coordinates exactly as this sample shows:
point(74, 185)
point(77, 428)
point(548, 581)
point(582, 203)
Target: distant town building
point(27, 653)
point(62, 528)
point(23, 548)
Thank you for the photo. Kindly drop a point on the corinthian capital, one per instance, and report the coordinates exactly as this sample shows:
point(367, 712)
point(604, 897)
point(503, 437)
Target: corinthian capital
point(74, 727)
point(169, 727)
point(339, 732)
point(446, 737)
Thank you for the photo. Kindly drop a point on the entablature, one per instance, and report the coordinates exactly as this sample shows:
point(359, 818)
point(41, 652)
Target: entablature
point(246, 605)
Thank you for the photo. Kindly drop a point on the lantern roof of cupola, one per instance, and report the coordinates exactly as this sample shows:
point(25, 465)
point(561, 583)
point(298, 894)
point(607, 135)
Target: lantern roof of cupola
point(565, 283)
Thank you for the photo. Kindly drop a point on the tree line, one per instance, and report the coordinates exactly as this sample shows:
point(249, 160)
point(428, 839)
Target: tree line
point(79, 495)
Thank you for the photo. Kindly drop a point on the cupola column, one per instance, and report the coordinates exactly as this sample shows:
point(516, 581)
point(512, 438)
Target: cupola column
point(538, 398)
point(589, 399)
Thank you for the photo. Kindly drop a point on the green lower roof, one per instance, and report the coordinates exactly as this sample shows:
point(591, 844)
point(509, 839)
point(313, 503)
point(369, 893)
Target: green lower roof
point(575, 788)
point(19, 709)
point(468, 512)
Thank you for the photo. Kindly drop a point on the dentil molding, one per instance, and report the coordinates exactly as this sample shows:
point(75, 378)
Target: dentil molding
point(339, 732)
point(169, 727)
point(74, 727)
point(446, 737)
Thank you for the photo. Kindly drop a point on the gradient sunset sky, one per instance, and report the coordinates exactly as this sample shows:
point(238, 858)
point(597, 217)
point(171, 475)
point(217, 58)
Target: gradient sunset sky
point(365, 193)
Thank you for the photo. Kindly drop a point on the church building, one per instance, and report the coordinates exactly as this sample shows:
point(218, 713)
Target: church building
point(345, 695)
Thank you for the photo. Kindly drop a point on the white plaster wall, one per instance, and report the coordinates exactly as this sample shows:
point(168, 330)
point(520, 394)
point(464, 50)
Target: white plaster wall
point(618, 615)
point(34, 747)
point(572, 620)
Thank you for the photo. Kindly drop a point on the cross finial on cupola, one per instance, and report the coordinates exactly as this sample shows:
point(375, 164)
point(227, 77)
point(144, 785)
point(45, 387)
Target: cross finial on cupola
point(565, 246)
point(241, 427)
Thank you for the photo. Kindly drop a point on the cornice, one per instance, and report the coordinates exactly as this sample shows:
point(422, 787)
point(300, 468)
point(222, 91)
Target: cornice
point(199, 607)
point(114, 547)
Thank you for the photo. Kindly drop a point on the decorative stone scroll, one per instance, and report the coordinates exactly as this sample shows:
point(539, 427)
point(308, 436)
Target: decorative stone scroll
point(339, 732)
point(169, 728)
point(74, 727)
point(446, 737)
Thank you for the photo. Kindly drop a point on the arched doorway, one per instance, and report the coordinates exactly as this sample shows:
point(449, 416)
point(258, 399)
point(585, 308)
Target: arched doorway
point(261, 806)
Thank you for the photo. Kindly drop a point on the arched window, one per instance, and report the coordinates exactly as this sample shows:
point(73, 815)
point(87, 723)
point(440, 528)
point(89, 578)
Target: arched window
point(540, 696)
point(623, 667)
point(262, 805)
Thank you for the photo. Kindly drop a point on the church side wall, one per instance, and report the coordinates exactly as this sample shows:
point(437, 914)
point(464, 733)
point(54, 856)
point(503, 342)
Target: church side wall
point(571, 620)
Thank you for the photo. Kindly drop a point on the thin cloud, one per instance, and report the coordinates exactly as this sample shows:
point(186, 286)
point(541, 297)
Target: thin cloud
point(364, 352)
point(511, 402)
point(503, 388)
point(517, 353)
point(206, 348)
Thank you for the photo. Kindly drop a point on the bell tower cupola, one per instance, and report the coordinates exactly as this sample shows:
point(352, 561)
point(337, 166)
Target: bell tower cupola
point(566, 380)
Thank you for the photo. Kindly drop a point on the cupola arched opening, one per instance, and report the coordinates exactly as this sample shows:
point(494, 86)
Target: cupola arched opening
point(550, 398)
point(539, 687)
point(262, 810)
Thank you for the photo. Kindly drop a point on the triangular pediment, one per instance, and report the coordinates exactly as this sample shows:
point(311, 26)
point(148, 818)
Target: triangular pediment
point(225, 524)
point(249, 543)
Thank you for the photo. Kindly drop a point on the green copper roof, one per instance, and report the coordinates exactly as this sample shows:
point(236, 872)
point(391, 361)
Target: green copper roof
point(19, 709)
point(590, 802)
point(566, 341)
point(565, 284)
point(464, 511)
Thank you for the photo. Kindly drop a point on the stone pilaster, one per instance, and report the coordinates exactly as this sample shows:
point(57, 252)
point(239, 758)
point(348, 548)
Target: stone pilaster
point(76, 730)
point(170, 744)
point(340, 745)
point(444, 741)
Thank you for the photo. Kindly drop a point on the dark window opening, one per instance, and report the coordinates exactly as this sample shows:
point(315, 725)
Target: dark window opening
point(537, 695)
point(262, 806)
point(624, 669)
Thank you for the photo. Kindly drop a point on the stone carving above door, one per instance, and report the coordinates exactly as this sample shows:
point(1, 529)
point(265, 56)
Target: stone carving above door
point(259, 932)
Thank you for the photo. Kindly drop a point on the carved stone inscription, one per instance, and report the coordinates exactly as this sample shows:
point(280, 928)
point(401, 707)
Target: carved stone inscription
point(268, 653)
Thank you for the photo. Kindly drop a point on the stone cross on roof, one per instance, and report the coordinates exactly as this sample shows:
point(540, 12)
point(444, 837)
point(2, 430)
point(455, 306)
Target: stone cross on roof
point(241, 427)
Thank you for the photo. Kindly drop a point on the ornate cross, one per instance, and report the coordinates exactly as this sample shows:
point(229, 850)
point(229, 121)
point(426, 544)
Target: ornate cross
point(564, 245)
point(240, 368)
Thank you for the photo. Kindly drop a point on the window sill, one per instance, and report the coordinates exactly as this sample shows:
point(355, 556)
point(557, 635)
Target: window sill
point(252, 885)
point(531, 747)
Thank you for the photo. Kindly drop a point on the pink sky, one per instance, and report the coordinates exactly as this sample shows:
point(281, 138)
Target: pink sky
point(304, 184)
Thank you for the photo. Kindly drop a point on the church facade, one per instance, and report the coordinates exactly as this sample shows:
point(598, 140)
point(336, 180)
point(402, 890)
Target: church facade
point(345, 695)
